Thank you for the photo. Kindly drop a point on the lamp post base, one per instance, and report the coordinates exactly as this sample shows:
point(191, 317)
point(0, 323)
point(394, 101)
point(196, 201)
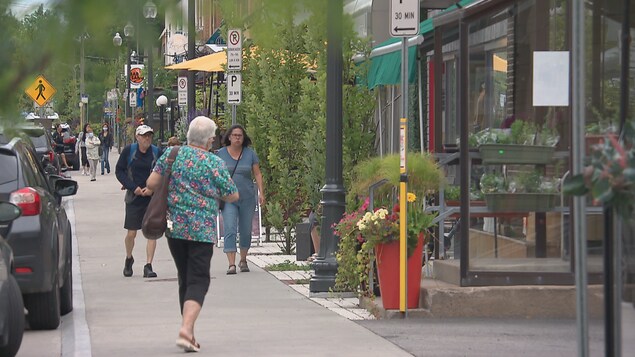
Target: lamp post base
point(324, 278)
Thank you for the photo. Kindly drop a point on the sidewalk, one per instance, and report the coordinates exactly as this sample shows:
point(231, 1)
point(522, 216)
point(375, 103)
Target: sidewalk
point(246, 314)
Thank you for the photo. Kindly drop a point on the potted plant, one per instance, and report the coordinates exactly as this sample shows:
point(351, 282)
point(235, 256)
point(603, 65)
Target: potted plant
point(524, 192)
point(453, 196)
point(357, 243)
point(523, 143)
point(609, 174)
point(366, 236)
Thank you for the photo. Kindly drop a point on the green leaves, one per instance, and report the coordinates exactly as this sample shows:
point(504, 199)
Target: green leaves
point(610, 173)
point(574, 186)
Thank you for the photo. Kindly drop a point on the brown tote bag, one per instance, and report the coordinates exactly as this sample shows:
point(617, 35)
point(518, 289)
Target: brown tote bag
point(155, 221)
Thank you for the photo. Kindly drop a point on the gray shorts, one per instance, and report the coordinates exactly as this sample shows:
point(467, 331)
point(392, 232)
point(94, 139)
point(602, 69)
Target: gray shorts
point(134, 216)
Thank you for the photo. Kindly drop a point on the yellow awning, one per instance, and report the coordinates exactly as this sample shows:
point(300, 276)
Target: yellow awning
point(209, 63)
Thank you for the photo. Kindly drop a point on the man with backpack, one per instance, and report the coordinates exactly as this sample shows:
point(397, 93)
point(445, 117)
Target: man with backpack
point(133, 168)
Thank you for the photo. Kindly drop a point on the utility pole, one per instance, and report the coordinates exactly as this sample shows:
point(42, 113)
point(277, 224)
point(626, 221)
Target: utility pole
point(81, 81)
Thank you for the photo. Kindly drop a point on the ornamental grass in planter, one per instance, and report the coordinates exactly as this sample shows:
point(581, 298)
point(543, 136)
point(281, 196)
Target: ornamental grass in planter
point(360, 231)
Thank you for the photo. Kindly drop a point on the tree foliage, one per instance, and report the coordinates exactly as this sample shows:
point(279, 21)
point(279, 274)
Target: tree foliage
point(284, 103)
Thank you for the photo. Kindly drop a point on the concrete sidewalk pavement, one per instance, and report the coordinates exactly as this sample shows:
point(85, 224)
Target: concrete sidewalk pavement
point(244, 315)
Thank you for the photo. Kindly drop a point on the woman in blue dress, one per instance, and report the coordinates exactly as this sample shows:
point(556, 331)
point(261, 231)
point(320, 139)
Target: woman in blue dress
point(244, 166)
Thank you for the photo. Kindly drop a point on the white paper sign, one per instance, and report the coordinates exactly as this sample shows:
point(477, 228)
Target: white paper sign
point(551, 79)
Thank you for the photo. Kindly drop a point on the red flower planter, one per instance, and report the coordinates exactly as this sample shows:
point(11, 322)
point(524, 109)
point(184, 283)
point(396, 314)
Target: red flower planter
point(387, 256)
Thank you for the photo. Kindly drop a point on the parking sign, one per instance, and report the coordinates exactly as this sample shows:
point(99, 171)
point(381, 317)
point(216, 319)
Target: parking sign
point(233, 88)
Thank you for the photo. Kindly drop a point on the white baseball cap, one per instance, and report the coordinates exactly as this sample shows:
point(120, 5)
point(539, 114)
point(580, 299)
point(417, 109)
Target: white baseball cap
point(143, 129)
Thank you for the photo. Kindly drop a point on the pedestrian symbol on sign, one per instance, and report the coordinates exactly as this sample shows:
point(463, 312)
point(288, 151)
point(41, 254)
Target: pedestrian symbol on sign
point(41, 91)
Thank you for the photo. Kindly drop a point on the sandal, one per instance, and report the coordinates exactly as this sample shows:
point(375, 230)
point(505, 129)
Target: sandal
point(231, 270)
point(243, 266)
point(188, 345)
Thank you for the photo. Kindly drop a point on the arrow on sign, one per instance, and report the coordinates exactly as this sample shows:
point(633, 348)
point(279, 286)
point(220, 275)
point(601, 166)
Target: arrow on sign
point(397, 29)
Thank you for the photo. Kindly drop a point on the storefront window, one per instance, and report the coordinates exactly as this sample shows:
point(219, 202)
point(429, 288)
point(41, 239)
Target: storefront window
point(520, 228)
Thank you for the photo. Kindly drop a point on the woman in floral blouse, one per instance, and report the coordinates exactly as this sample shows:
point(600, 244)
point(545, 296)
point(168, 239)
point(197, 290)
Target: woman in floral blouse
point(198, 179)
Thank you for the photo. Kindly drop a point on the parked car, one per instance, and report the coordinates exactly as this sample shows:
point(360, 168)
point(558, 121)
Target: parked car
point(43, 144)
point(41, 237)
point(11, 304)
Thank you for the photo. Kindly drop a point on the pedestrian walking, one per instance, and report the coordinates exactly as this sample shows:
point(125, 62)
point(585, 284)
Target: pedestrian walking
point(197, 180)
point(243, 164)
point(106, 138)
point(92, 143)
point(80, 150)
point(132, 170)
point(173, 141)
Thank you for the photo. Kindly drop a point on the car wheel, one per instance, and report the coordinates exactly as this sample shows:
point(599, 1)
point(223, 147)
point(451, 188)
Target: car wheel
point(16, 320)
point(44, 308)
point(76, 164)
point(66, 291)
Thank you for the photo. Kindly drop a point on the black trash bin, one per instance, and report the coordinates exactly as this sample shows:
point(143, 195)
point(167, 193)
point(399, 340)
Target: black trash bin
point(303, 243)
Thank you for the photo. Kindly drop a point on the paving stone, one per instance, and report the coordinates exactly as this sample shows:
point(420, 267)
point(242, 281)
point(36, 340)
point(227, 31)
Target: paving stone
point(346, 313)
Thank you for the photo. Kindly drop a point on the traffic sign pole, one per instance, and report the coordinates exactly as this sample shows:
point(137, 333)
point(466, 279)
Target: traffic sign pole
point(234, 63)
point(404, 22)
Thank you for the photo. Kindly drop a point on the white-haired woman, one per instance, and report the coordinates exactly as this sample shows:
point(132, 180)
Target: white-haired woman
point(198, 178)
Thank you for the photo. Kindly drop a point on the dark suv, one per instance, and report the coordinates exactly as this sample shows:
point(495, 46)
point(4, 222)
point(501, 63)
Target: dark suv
point(43, 144)
point(41, 237)
point(11, 305)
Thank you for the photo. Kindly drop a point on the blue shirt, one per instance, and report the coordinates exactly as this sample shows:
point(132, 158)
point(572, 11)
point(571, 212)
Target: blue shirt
point(243, 176)
point(141, 167)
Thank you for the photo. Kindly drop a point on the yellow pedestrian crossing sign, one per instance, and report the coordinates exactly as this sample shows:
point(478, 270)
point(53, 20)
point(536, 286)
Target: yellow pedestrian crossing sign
point(41, 91)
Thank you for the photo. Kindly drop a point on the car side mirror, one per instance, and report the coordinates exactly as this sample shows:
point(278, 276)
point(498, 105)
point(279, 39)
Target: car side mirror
point(63, 187)
point(9, 212)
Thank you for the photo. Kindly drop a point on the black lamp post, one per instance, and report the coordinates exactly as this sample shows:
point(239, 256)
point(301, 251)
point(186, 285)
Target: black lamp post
point(162, 101)
point(150, 13)
point(128, 31)
point(333, 192)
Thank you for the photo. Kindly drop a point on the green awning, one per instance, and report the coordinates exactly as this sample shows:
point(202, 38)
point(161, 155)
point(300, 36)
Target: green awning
point(385, 58)
point(386, 69)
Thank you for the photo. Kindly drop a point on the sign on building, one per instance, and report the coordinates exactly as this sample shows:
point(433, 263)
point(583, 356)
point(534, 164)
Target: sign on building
point(137, 75)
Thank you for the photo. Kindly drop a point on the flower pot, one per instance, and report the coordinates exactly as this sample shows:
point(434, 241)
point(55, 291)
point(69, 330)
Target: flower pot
point(521, 202)
point(516, 154)
point(387, 256)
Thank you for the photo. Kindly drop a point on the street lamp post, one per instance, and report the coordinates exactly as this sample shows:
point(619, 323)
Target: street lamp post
point(150, 13)
point(162, 101)
point(333, 192)
point(128, 31)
